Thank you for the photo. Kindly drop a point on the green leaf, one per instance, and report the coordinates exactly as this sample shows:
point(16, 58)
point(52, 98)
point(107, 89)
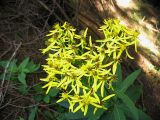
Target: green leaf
point(97, 116)
point(23, 89)
point(71, 116)
point(128, 102)
point(74, 116)
point(12, 65)
point(107, 116)
point(46, 99)
point(38, 98)
point(33, 113)
point(22, 78)
point(64, 104)
point(143, 116)
point(7, 77)
point(38, 88)
point(128, 81)
point(49, 115)
point(61, 117)
point(1, 76)
point(126, 110)
point(118, 113)
point(53, 92)
point(3, 63)
point(119, 73)
point(20, 118)
point(115, 114)
point(32, 67)
point(23, 64)
point(25, 70)
point(134, 92)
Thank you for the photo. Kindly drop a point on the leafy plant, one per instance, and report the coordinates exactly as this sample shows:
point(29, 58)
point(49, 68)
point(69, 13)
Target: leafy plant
point(18, 72)
point(42, 97)
point(121, 107)
point(85, 70)
point(126, 96)
point(33, 113)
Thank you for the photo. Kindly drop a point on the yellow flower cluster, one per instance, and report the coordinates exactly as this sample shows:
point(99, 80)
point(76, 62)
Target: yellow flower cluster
point(83, 69)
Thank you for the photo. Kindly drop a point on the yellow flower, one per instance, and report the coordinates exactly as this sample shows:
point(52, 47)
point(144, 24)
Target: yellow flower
point(64, 96)
point(50, 85)
point(108, 97)
point(82, 68)
point(86, 100)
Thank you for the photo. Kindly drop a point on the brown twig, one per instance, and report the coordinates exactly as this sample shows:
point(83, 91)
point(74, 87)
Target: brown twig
point(63, 12)
point(2, 95)
point(6, 52)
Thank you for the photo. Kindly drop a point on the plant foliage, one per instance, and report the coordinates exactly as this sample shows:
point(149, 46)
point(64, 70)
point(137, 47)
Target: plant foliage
point(18, 72)
point(82, 69)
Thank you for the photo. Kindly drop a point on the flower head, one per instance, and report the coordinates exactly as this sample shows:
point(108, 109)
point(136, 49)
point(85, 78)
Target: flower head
point(82, 68)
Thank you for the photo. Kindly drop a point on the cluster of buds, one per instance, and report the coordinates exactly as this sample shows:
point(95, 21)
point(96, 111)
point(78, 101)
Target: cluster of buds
point(84, 69)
